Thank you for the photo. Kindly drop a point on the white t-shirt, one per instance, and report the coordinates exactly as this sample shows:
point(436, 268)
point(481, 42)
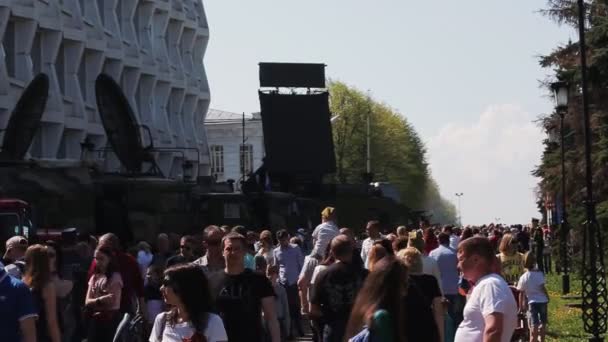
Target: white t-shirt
point(215, 331)
point(531, 283)
point(490, 295)
point(365, 248)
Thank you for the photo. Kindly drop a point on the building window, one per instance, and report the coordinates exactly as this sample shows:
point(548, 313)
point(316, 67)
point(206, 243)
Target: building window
point(217, 161)
point(246, 159)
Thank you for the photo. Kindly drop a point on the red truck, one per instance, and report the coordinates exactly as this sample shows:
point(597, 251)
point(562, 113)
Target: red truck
point(15, 219)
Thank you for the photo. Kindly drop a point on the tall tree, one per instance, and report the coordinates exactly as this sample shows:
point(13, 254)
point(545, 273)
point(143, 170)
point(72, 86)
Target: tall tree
point(398, 154)
point(565, 62)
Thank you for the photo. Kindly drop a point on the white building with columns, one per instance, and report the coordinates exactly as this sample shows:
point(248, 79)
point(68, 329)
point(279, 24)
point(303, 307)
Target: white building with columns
point(153, 48)
point(230, 157)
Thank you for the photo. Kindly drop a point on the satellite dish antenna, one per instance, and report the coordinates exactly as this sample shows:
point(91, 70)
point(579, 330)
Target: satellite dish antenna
point(25, 119)
point(119, 123)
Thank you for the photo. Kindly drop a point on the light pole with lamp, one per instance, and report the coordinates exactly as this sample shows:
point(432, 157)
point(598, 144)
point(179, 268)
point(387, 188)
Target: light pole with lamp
point(459, 195)
point(560, 92)
point(595, 301)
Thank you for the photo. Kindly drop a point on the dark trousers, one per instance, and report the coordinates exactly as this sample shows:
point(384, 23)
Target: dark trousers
point(103, 330)
point(293, 299)
point(455, 310)
point(547, 263)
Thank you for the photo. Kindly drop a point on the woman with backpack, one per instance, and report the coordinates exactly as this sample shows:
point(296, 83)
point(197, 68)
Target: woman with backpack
point(186, 289)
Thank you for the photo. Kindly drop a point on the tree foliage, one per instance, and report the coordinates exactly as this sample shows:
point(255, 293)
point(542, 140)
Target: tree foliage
point(398, 154)
point(565, 63)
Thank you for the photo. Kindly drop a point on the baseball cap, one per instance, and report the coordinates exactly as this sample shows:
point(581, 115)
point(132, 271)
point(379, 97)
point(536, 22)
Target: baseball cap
point(16, 241)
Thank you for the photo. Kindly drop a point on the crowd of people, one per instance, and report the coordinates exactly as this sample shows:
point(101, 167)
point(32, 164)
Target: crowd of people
point(422, 283)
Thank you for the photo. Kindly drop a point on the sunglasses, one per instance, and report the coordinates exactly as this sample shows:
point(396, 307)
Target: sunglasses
point(184, 247)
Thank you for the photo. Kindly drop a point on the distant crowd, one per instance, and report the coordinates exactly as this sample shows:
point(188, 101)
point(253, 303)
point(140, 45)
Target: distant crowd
point(233, 284)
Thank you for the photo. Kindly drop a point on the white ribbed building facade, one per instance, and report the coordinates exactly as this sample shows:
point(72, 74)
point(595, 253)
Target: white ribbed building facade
point(153, 48)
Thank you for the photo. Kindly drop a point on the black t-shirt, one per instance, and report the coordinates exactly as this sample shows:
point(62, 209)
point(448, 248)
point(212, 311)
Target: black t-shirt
point(420, 322)
point(335, 291)
point(239, 303)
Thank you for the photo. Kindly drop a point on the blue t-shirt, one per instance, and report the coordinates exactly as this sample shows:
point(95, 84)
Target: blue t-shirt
point(16, 304)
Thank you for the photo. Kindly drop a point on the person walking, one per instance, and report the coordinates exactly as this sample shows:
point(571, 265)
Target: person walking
point(373, 233)
point(212, 262)
point(490, 313)
point(335, 290)
point(13, 257)
point(511, 261)
point(378, 312)
point(39, 279)
point(186, 289)
point(290, 260)
point(244, 295)
point(447, 261)
point(17, 311)
point(132, 295)
point(423, 296)
point(327, 230)
point(266, 247)
point(532, 287)
point(104, 296)
point(186, 252)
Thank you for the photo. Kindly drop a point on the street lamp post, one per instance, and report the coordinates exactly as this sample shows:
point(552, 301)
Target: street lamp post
point(459, 195)
point(560, 92)
point(595, 301)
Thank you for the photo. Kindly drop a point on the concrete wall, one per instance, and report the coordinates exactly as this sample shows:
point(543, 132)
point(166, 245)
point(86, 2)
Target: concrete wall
point(153, 48)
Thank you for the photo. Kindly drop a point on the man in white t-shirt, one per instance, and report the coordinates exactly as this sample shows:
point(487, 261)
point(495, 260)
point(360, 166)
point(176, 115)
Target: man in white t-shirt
point(491, 311)
point(373, 233)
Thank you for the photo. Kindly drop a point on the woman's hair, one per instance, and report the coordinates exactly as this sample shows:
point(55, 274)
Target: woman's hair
point(192, 287)
point(412, 258)
point(529, 261)
point(507, 244)
point(399, 244)
point(416, 241)
point(112, 264)
point(383, 289)
point(58, 256)
point(37, 267)
point(466, 233)
point(380, 249)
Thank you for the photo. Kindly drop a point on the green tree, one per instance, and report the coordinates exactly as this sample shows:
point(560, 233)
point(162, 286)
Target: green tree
point(398, 154)
point(565, 63)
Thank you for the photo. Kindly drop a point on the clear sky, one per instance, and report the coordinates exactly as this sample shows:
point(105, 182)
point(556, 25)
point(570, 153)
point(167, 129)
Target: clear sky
point(464, 73)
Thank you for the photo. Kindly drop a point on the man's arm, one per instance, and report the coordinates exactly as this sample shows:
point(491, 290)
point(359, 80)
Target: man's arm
point(28, 329)
point(494, 327)
point(270, 315)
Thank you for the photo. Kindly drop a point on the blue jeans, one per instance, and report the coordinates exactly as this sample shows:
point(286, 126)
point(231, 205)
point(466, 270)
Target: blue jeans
point(537, 314)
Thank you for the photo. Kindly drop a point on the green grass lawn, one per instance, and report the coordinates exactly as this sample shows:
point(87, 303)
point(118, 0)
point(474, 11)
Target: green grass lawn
point(565, 324)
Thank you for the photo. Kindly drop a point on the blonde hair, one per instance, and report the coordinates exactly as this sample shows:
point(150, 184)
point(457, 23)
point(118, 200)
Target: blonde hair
point(412, 258)
point(416, 241)
point(507, 244)
point(402, 231)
